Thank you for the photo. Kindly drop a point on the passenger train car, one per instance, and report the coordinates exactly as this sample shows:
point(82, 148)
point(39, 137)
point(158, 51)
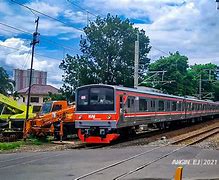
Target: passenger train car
point(104, 112)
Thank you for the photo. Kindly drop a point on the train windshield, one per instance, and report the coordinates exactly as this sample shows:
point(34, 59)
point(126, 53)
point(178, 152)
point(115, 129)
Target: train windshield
point(95, 99)
point(46, 108)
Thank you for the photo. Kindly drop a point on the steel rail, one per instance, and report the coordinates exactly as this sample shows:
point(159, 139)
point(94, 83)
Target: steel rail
point(167, 154)
point(138, 155)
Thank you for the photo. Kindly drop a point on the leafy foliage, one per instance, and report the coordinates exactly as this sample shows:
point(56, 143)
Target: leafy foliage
point(55, 97)
point(5, 85)
point(207, 74)
point(175, 66)
point(180, 79)
point(107, 55)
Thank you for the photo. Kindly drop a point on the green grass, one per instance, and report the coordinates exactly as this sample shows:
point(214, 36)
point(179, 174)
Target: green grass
point(34, 141)
point(10, 145)
point(4, 146)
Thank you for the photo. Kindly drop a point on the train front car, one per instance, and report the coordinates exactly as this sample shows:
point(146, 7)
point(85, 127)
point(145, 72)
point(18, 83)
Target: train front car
point(97, 114)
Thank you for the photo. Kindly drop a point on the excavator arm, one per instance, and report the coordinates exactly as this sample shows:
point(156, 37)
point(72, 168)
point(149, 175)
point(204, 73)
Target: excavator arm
point(12, 104)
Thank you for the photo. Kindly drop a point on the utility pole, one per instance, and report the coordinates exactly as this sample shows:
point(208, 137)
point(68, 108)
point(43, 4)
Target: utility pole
point(136, 61)
point(217, 4)
point(33, 43)
point(200, 87)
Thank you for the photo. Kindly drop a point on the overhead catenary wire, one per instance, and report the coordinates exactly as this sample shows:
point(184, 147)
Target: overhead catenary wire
point(42, 37)
point(81, 8)
point(46, 15)
point(96, 15)
point(26, 59)
point(160, 50)
point(28, 51)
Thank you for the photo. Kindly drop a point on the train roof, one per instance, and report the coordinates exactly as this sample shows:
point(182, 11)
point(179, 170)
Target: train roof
point(136, 90)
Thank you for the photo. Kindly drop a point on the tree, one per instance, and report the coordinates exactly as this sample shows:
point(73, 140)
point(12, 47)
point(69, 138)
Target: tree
point(216, 91)
point(6, 84)
point(107, 54)
point(206, 73)
point(175, 66)
point(55, 97)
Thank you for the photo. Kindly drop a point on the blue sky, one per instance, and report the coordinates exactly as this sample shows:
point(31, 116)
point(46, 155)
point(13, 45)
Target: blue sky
point(188, 26)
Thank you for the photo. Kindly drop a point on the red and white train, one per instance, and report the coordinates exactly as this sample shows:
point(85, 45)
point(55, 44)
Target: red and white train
point(104, 112)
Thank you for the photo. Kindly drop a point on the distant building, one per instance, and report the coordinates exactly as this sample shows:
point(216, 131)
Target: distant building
point(38, 94)
point(21, 78)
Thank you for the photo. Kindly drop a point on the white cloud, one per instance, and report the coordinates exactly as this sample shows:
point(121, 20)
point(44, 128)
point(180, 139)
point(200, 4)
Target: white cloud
point(76, 16)
point(19, 57)
point(191, 29)
point(45, 8)
point(5, 8)
point(24, 19)
point(188, 26)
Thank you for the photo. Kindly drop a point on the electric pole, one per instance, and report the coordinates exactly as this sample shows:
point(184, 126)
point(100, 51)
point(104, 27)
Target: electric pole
point(136, 61)
point(33, 43)
point(200, 87)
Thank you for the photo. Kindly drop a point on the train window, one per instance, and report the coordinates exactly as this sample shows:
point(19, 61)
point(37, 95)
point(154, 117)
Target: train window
point(200, 107)
point(129, 103)
point(160, 105)
point(168, 106)
point(179, 106)
point(183, 106)
point(83, 97)
point(187, 106)
point(143, 105)
point(174, 106)
point(152, 105)
point(95, 99)
point(193, 106)
point(101, 96)
point(121, 101)
point(129, 106)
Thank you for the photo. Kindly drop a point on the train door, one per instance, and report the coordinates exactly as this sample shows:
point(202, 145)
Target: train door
point(152, 109)
point(122, 108)
point(130, 109)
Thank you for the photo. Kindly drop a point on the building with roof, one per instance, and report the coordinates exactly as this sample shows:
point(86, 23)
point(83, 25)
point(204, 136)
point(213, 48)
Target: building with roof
point(38, 93)
point(22, 78)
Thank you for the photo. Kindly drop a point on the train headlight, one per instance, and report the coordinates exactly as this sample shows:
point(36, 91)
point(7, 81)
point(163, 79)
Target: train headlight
point(80, 117)
point(108, 116)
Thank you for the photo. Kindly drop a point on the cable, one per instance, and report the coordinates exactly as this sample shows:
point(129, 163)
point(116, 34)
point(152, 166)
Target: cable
point(42, 37)
point(6, 30)
point(28, 51)
point(31, 9)
point(26, 59)
point(83, 9)
point(11, 52)
point(12, 27)
point(160, 50)
point(10, 47)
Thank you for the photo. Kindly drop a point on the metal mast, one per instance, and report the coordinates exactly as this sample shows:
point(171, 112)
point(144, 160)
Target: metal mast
point(33, 43)
point(136, 61)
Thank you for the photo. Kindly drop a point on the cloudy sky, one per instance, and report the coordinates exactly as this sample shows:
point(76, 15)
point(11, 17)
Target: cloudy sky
point(188, 26)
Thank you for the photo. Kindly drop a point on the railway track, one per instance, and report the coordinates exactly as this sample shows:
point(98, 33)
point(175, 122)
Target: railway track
point(147, 137)
point(194, 137)
point(197, 136)
point(120, 141)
